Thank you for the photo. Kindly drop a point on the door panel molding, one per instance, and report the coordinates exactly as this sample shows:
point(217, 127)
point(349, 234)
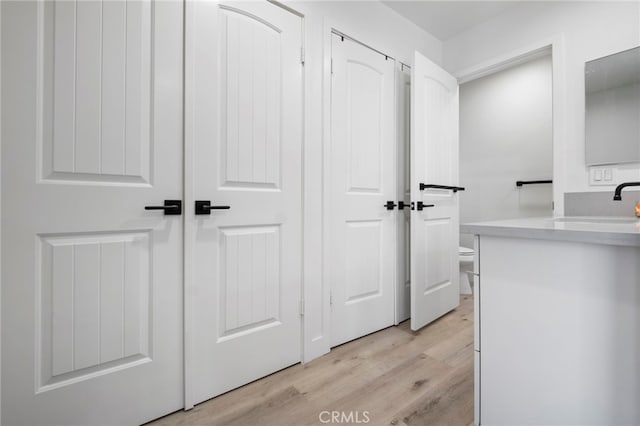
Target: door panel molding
point(94, 71)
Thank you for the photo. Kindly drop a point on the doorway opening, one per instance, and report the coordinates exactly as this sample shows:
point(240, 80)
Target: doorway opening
point(506, 143)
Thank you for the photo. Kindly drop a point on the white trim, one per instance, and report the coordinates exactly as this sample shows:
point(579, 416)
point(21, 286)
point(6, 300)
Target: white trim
point(303, 204)
point(556, 46)
point(501, 63)
point(287, 8)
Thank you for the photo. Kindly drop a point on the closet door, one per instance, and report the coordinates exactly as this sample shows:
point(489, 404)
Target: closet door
point(435, 287)
point(91, 281)
point(244, 153)
point(361, 240)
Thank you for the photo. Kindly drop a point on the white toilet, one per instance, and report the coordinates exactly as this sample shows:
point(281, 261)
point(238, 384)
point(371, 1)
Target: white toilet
point(465, 256)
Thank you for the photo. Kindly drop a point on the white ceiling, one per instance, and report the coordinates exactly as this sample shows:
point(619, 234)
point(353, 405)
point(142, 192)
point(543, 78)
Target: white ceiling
point(445, 19)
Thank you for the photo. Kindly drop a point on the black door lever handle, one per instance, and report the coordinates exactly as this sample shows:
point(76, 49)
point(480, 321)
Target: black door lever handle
point(390, 205)
point(422, 205)
point(205, 207)
point(402, 205)
point(170, 207)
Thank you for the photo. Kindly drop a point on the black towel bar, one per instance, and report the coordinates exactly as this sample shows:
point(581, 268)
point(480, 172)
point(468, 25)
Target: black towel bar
point(451, 188)
point(532, 182)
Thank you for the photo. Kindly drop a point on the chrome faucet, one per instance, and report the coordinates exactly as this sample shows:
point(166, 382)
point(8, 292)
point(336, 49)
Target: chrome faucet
point(617, 196)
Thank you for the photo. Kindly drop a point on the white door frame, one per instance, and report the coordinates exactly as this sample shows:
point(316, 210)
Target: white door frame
point(318, 33)
point(190, 196)
point(555, 45)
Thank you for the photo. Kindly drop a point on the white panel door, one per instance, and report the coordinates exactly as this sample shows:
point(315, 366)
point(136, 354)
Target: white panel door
point(92, 283)
point(435, 287)
point(361, 246)
point(403, 126)
point(244, 132)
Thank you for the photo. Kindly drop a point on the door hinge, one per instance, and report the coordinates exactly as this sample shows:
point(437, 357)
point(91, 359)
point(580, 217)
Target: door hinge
point(301, 307)
point(330, 298)
point(302, 55)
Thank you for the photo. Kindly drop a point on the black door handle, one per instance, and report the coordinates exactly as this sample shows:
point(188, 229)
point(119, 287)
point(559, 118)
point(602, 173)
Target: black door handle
point(390, 205)
point(171, 207)
point(422, 205)
point(402, 205)
point(451, 188)
point(205, 207)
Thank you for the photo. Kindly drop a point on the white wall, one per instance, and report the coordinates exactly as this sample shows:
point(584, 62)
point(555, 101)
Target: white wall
point(590, 30)
point(383, 29)
point(506, 136)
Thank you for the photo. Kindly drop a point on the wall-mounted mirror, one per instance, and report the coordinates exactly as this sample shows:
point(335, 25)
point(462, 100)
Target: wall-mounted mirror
point(612, 119)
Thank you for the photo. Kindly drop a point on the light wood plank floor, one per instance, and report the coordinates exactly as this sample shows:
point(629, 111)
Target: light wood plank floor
point(398, 376)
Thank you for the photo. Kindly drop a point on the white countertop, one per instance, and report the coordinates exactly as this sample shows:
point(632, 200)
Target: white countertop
point(621, 231)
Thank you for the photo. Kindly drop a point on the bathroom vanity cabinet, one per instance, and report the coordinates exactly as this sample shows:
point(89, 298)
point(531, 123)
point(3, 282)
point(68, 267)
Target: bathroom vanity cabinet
point(557, 338)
